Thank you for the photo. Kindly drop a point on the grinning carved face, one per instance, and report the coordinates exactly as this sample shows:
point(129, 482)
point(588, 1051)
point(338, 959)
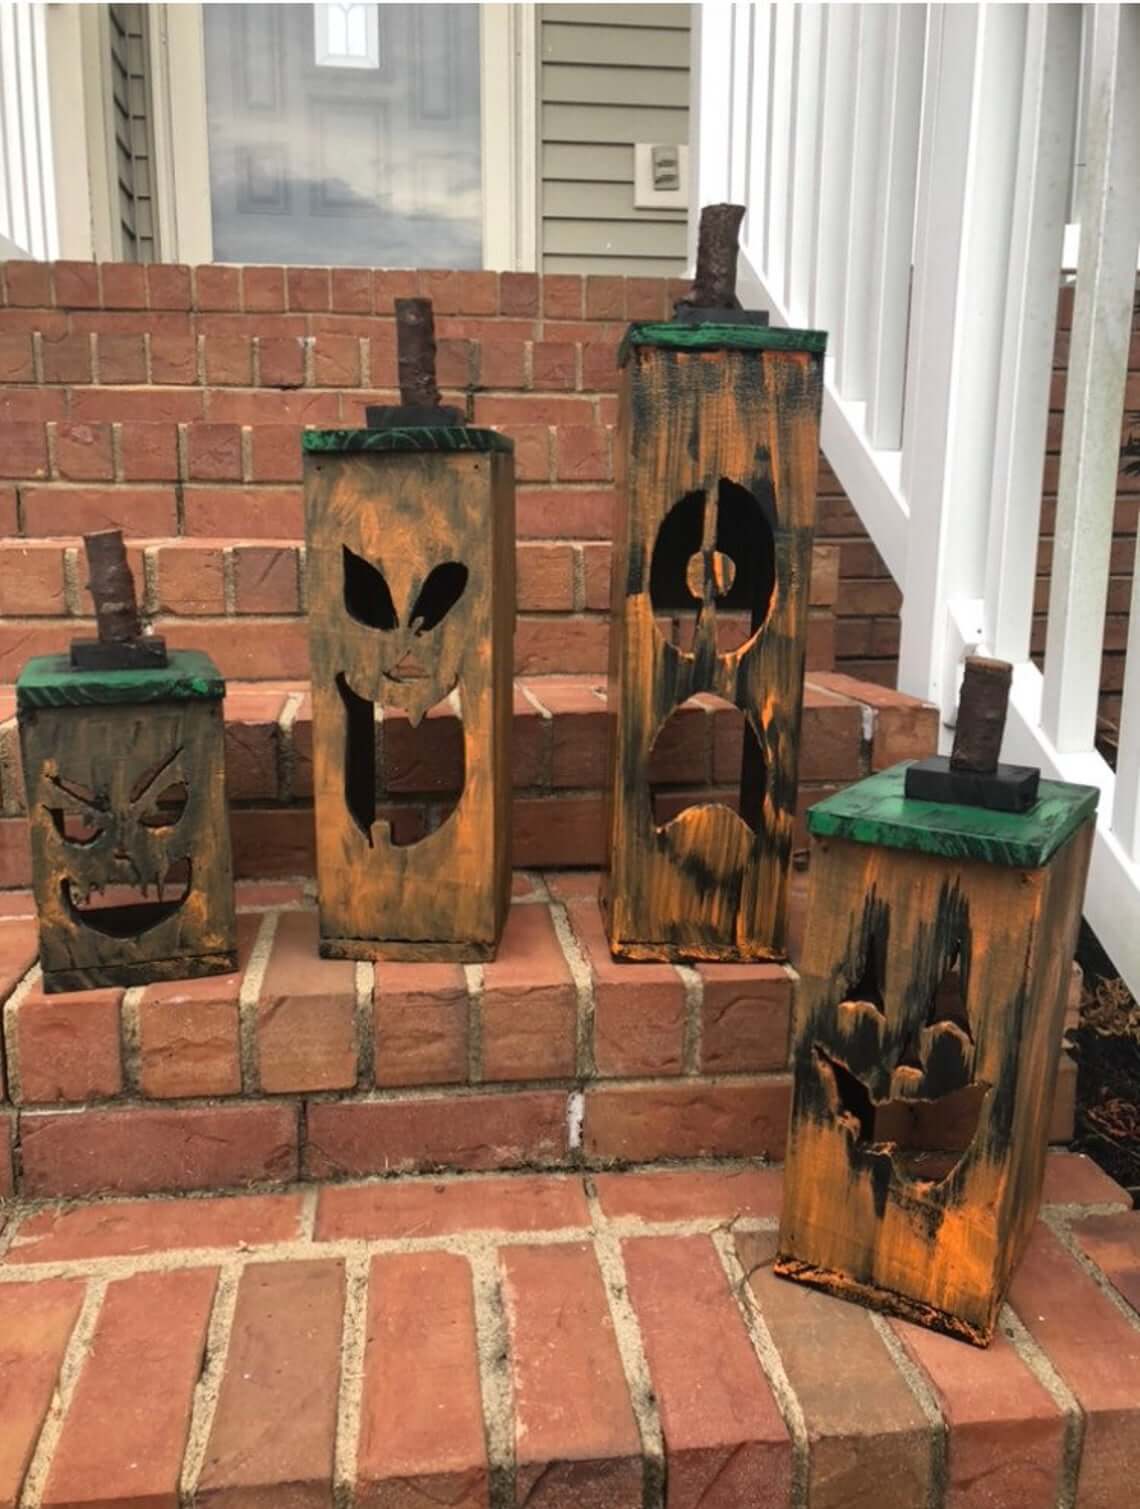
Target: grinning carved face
point(896, 1066)
point(115, 825)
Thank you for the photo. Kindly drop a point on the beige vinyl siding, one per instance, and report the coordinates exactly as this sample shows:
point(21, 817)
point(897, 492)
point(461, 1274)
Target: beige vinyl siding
point(610, 76)
point(133, 153)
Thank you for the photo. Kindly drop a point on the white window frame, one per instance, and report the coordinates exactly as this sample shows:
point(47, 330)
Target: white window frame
point(322, 44)
point(508, 37)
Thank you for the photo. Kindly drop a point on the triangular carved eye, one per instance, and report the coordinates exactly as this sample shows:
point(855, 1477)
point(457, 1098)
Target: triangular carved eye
point(367, 597)
point(438, 595)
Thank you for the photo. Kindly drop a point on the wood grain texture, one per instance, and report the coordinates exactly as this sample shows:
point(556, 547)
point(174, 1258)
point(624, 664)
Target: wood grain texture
point(406, 513)
point(920, 1115)
point(97, 777)
point(697, 422)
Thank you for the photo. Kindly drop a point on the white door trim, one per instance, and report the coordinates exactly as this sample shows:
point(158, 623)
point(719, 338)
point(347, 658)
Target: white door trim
point(183, 222)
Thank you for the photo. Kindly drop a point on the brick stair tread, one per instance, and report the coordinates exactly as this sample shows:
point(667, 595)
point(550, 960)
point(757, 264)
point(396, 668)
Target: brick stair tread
point(617, 1339)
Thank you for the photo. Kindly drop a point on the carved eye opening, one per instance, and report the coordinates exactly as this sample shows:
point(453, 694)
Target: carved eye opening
point(367, 597)
point(74, 827)
point(167, 807)
point(444, 587)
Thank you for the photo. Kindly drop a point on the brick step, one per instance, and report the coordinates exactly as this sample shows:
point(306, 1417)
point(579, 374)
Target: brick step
point(615, 1341)
point(559, 760)
point(552, 1055)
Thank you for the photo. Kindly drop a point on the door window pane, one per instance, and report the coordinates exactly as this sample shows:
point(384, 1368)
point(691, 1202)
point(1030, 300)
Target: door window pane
point(345, 134)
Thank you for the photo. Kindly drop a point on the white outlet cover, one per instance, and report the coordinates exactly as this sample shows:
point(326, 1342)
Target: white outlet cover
point(645, 196)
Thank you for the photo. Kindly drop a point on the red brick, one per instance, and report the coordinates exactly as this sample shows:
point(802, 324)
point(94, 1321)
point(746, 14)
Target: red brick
point(28, 283)
point(545, 581)
point(174, 359)
point(244, 512)
point(599, 366)
point(276, 453)
point(576, 1440)
point(1006, 1436)
point(518, 294)
point(105, 405)
point(168, 286)
point(420, 1014)
point(532, 408)
point(746, 1015)
point(266, 579)
point(32, 404)
point(125, 1433)
point(83, 452)
point(305, 1031)
point(639, 1009)
point(469, 1132)
point(66, 358)
point(31, 581)
point(905, 728)
point(36, 1321)
point(7, 1146)
point(605, 298)
point(1049, 1290)
point(68, 1046)
point(646, 299)
point(228, 360)
point(124, 285)
point(274, 1431)
point(554, 365)
point(579, 729)
point(352, 289)
point(213, 452)
point(16, 364)
point(308, 288)
point(19, 943)
point(584, 453)
point(596, 563)
point(137, 511)
point(721, 1195)
point(562, 296)
point(1113, 1243)
point(191, 578)
point(252, 716)
point(15, 850)
point(561, 646)
point(149, 452)
point(112, 1229)
point(747, 1118)
point(567, 830)
point(76, 285)
point(421, 1208)
point(263, 288)
point(217, 287)
point(188, 1030)
point(147, 1149)
point(281, 361)
point(532, 452)
point(455, 363)
point(502, 364)
point(1074, 1179)
point(726, 1443)
point(336, 361)
point(273, 842)
point(121, 358)
point(23, 450)
point(869, 1440)
point(421, 1430)
point(389, 284)
point(529, 1005)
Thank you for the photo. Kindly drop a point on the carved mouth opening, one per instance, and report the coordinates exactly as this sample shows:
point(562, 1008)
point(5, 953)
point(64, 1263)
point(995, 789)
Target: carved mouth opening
point(126, 911)
point(679, 766)
point(408, 776)
point(925, 1137)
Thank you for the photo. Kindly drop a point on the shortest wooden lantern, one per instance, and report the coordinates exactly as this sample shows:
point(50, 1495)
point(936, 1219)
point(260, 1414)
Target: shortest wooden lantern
point(935, 970)
point(122, 747)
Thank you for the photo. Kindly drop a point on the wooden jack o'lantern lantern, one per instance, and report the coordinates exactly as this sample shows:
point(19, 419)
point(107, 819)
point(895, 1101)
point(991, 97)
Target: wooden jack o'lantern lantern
point(717, 453)
point(122, 748)
point(410, 562)
point(934, 976)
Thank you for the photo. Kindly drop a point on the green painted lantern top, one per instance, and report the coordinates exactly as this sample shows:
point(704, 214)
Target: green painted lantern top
point(425, 437)
point(714, 337)
point(875, 811)
point(51, 681)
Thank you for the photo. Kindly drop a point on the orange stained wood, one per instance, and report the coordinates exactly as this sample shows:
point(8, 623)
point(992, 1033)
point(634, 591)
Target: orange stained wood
point(858, 1218)
point(708, 885)
point(405, 515)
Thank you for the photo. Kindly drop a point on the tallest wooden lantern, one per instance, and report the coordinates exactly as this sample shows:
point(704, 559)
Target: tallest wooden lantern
point(717, 450)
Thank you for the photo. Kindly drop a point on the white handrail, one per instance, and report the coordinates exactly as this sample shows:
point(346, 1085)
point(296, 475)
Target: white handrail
point(908, 172)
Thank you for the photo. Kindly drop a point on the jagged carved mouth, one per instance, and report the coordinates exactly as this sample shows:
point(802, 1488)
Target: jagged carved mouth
point(126, 911)
point(925, 1137)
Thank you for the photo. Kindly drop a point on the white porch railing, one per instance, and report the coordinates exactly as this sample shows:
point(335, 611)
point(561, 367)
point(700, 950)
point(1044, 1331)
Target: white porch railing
point(908, 172)
point(28, 223)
